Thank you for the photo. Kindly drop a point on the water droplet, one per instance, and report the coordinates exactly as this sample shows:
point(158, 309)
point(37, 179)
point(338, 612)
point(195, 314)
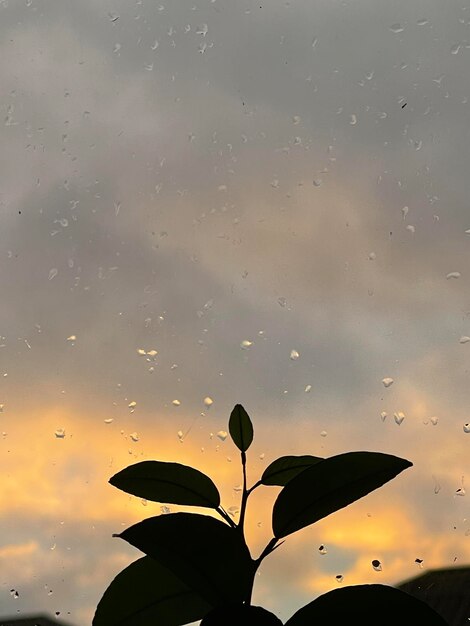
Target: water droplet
point(308, 389)
point(460, 491)
point(399, 417)
point(339, 578)
point(455, 48)
point(208, 401)
point(419, 563)
point(72, 338)
point(180, 435)
point(387, 382)
point(453, 275)
point(464, 339)
point(405, 210)
point(53, 273)
point(317, 182)
point(202, 30)
point(422, 22)
point(132, 406)
point(466, 428)
point(353, 119)
point(411, 228)
point(59, 433)
point(245, 344)
point(296, 119)
point(372, 256)
point(164, 510)
point(261, 456)
point(134, 437)
point(294, 355)
point(109, 420)
point(282, 302)
point(222, 435)
point(233, 510)
point(238, 488)
point(377, 565)
point(397, 28)
point(383, 416)
point(434, 420)
point(176, 403)
point(322, 549)
point(323, 433)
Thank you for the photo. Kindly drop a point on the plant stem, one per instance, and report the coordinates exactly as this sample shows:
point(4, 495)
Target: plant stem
point(245, 494)
point(223, 513)
point(268, 549)
point(253, 487)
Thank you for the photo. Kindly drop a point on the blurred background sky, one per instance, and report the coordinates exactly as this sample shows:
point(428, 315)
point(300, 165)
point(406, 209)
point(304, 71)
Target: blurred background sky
point(263, 203)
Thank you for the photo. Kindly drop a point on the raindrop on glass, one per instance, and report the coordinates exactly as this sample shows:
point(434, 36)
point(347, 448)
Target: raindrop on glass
point(387, 382)
point(397, 28)
point(434, 420)
point(419, 563)
point(132, 406)
point(60, 433)
point(323, 433)
point(308, 389)
point(134, 437)
point(377, 565)
point(109, 420)
point(222, 435)
point(294, 355)
point(245, 344)
point(399, 417)
point(339, 578)
point(322, 549)
point(164, 510)
point(453, 275)
point(233, 510)
point(383, 416)
point(175, 402)
point(208, 402)
point(464, 339)
point(466, 428)
point(53, 273)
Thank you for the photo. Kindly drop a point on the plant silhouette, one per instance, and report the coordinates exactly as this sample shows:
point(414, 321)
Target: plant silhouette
point(199, 568)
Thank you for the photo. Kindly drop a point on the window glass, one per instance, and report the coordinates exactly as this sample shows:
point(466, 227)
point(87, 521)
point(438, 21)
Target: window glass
point(208, 203)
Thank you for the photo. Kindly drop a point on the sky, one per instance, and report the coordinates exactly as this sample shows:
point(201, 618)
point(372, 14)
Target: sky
point(270, 198)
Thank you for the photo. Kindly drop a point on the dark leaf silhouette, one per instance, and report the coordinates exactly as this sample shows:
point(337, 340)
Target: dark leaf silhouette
point(285, 468)
point(367, 605)
point(240, 428)
point(207, 555)
point(173, 483)
point(146, 593)
point(240, 615)
point(330, 485)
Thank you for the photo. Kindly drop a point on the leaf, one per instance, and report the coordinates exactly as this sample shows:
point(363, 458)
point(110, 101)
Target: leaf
point(285, 468)
point(331, 485)
point(241, 428)
point(173, 483)
point(367, 605)
point(237, 615)
point(146, 593)
point(207, 555)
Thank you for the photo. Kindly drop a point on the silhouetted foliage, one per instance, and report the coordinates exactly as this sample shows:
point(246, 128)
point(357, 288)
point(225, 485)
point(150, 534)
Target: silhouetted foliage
point(197, 567)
